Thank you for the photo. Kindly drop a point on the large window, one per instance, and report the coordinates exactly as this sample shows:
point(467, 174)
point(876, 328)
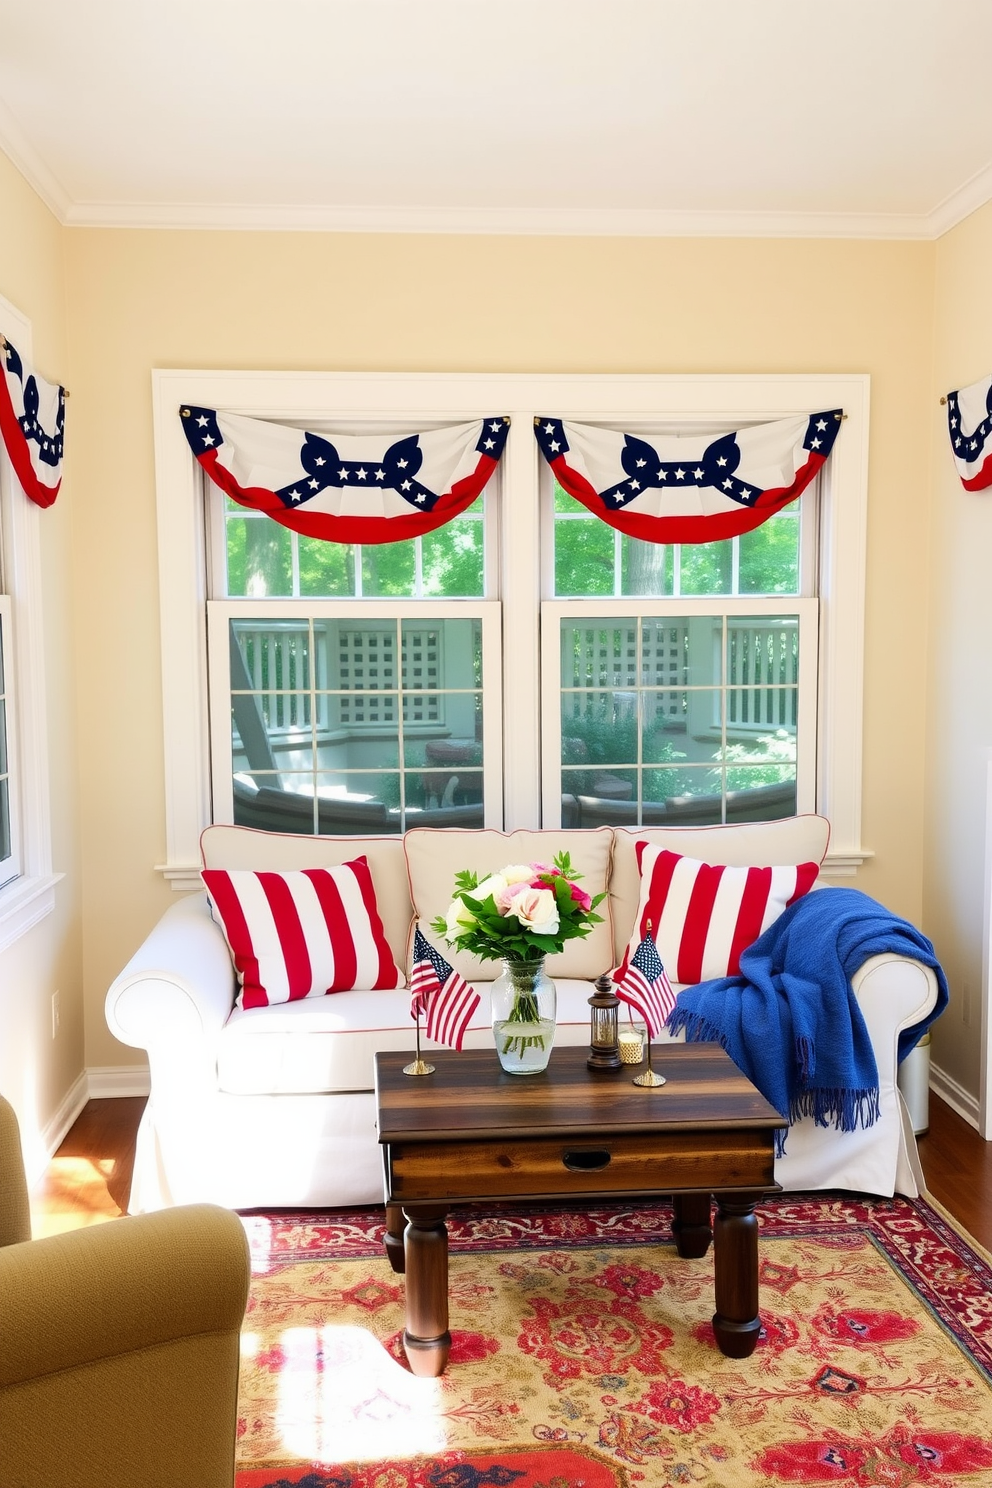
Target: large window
point(690, 696)
point(9, 837)
point(334, 716)
point(26, 877)
point(526, 664)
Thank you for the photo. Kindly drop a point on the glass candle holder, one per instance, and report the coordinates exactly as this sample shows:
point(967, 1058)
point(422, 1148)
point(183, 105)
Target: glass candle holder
point(631, 1040)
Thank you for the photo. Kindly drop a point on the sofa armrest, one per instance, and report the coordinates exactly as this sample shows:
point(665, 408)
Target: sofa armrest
point(119, 1351)
point(893, 992)
point(177, 991)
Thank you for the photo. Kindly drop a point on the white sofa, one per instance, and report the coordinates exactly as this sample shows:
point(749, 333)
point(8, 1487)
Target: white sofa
point(273, 1107)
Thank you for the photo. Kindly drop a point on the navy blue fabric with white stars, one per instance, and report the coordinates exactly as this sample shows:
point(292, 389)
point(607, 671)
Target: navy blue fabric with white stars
point(324, 468)
point(49, 443)
point(969, 447)
point(716, 467)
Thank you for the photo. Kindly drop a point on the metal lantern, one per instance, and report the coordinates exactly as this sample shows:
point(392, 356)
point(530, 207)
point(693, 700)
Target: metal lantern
point(604, 1043)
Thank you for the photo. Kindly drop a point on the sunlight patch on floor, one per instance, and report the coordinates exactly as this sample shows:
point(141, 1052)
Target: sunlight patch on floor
point(335, 1383)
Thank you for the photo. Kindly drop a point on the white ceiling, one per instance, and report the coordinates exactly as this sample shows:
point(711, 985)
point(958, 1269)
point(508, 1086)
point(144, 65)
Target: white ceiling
point(826, 117)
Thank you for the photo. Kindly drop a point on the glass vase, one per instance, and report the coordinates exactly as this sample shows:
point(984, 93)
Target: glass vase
point(523, 1011)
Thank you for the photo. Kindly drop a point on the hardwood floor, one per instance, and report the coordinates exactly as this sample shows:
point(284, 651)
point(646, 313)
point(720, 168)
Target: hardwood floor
point(89, 1178)
point(958, 1168)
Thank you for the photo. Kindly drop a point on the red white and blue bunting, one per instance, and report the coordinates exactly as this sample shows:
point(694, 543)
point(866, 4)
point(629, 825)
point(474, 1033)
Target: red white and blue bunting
point(666, 488)
point(969, 423)
point(32, 423)
point(347, 488)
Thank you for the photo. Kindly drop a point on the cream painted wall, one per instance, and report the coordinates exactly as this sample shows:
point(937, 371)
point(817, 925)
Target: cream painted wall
point(38, 1072)
point(139, 300)
point(959, 686)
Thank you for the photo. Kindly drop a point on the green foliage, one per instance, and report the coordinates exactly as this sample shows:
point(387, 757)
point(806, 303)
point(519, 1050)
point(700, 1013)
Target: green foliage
point(260, 561)
point(774, 765)
point(585, 550)
point(769, 556)
point(606, 737)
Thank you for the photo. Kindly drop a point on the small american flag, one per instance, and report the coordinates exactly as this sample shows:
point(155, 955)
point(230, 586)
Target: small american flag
point(646, 987)
point(438, 991)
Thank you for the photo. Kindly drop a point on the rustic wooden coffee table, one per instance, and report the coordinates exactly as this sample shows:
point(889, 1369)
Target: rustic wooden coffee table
point(470, 1133)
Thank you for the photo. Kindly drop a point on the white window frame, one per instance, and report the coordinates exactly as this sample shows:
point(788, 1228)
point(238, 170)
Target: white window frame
point(10, 866)
point(555, 611)
point(302, 397)
point(30, 896)
point(221, 612)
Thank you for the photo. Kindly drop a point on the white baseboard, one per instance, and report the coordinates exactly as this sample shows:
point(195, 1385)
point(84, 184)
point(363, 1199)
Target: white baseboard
point(117, 1080)
point(56, 1129)
point(955, 1096)
point(114, 1080)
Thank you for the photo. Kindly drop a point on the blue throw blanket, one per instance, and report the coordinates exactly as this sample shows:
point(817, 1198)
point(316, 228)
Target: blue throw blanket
point(791, 1022)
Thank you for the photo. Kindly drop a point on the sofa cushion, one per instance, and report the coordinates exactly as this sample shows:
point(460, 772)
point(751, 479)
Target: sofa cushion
point(792, 840)
point(435, 855)
point(245, 847)
point(327, 1045)
point(702, 916)
point(302, 933)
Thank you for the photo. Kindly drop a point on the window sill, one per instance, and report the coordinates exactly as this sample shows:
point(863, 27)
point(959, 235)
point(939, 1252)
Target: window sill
point(845, 864)
point(23, 903)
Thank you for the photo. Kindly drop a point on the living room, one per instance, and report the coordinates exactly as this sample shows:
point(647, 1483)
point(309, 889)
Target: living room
point(850, 247)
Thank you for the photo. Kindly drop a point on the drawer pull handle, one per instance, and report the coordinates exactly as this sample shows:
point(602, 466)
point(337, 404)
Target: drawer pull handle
point(586, 1162)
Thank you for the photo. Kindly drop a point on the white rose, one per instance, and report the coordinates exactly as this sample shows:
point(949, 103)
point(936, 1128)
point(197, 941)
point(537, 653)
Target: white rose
point(494, 885)
point(458, 918)
point(537, 910)
point(519, 873)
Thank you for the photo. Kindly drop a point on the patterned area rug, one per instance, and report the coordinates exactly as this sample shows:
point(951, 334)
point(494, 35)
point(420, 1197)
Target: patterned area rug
point(583, 1356)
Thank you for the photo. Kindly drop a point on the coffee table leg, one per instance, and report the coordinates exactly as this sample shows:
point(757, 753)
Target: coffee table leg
point(691, 1228)
point(426, 1337)
point(392, 1240)
point(735, 1253)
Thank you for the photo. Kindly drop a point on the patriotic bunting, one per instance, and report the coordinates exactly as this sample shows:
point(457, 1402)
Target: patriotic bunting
point(32, 422)
point(347, 488)
point(969, 423)
point(688, 488)
point(646, 988)
point(438, 991)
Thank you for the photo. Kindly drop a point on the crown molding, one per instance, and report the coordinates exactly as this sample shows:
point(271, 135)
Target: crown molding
point(628, 222)
point(500, 221)
point(26, 159)
point(961, 203)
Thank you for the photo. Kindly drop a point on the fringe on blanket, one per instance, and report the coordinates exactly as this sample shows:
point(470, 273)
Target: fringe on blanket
point(845, 1109)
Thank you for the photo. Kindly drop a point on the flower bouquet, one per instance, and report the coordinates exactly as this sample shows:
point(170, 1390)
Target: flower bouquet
point(519, 915)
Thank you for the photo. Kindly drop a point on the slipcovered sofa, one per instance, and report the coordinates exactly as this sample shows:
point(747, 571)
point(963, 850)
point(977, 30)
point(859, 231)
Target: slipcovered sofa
point(272, 1106)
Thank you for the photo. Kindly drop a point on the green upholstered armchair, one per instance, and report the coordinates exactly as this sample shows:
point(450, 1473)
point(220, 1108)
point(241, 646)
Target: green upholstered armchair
point(119, 1344)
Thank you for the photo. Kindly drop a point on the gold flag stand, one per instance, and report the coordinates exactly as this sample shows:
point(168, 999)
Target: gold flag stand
point(419, 1066)
point(649, 1077)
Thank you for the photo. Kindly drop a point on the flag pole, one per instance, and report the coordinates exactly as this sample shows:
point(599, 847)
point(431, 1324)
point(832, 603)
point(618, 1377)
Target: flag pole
point(419, 1066)
point(649, 1077)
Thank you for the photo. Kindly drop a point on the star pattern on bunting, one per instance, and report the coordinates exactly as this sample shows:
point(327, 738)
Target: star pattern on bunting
point(722, 455)
point(966, 446)
point(50, 446)
point(324, 468)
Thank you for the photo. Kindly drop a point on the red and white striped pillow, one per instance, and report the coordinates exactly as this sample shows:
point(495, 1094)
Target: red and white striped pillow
point(703, 915)
point(302, 934)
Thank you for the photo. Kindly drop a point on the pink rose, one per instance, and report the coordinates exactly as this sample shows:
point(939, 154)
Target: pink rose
point(504, 898)
point(582, 899)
